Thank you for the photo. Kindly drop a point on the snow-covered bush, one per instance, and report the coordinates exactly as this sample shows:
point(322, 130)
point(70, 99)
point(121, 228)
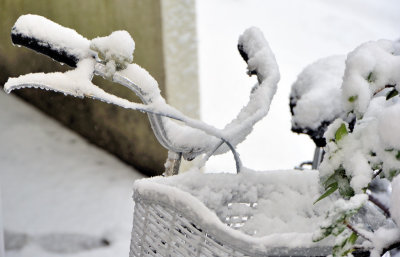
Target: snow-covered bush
point(362, 147)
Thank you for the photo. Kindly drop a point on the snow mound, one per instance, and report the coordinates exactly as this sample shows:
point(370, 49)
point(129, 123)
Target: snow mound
point(116, 48)
point(315, 99)
point(275, 208)
point(370, 68)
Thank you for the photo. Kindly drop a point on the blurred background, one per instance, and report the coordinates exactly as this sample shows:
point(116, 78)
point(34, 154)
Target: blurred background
point(62, 195)
point(299, 33)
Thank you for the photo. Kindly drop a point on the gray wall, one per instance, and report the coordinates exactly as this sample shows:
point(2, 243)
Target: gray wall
point(125, 133)
point(166, 45)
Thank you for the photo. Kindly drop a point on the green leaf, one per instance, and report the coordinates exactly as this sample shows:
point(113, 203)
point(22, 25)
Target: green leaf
point(340, 132)
point(331, 179)
point(391, 94)
point(398, 155)
point(345, 189)
point(353, 238)
point(346, 246)
point(393, 173)
point(342, 181)
point(371, 77)
point(352, 98)
point(331, 188)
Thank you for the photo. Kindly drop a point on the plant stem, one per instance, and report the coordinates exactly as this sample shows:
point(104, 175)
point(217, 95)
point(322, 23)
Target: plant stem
point(379, 204)
point(357, 231)
point(387, 86)
point(377, 173)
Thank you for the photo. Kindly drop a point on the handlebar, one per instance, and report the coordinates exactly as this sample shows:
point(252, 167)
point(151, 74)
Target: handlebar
point(67, 46)
point(42, 35)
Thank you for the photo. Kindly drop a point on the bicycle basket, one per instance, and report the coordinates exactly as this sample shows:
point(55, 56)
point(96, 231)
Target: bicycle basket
point(248, 214)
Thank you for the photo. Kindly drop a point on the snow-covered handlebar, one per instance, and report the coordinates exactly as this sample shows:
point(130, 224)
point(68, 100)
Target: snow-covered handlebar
point(111, 58)
point(62, 44)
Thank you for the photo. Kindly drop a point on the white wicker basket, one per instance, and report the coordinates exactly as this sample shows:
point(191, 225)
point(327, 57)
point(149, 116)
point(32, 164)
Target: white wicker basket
point(198, 214)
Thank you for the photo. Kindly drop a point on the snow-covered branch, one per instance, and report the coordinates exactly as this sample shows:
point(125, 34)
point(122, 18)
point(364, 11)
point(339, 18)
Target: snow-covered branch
point(361, 140)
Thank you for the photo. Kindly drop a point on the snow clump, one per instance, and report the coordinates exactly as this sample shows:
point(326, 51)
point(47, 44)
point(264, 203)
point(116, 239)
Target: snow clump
point(116, 50)
point(370, 69)
point(315, 97)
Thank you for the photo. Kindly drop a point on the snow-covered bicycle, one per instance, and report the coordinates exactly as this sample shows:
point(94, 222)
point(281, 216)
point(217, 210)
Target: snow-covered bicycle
point(193, 214)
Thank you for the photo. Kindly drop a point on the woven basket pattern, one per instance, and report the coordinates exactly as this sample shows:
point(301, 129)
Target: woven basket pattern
point(161, 231)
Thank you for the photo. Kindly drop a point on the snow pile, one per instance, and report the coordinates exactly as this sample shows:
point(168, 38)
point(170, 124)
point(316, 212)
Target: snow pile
point(370, 68)
point(116, 50)
point(272, 209)
point(383, 238)
point(370, 75)
point(348, 153)
point(315, 99)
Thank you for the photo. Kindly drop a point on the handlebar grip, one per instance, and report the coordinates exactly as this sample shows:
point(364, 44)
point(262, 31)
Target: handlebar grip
point(63, 44)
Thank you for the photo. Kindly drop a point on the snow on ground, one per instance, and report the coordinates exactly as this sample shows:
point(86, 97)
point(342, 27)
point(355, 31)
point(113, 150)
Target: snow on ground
point(299, 33)
point(61, 196)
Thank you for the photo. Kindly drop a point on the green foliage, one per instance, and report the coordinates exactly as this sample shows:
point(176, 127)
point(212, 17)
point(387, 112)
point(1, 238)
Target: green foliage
point(346, 246)
point(339, 152)
point(352, 99)
point(341, 132)
point(393, 173)
point(331, 188)
point(337, 224)
point(338, 180)
point(391, 94)
point(371, 78)
point(345, 190)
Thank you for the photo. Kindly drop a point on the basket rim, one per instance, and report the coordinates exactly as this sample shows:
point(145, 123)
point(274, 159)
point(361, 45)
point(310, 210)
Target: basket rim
point(152, 190)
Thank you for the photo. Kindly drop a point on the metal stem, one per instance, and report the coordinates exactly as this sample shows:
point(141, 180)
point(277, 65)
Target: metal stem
point(318, 154)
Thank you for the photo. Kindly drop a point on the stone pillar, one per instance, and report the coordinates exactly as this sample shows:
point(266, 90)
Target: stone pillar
point(180, 55)
point(125, 133)
point(180, 58)
point(2, 251)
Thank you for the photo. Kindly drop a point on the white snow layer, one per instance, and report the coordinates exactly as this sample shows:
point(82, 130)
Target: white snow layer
point(283, 214)
point(61, 196)
point(395, 200)
point(369, 69)
point(53, 34)
point(118, 46)
point(116, 50)
point(317, 94)
point(262, 60)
